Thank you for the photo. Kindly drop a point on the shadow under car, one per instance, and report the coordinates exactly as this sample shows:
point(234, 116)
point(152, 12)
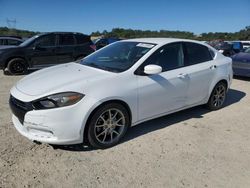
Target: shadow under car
point(233, 97)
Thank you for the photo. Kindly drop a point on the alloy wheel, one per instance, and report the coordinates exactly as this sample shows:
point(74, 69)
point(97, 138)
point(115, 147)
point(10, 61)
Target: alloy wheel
point(219, 96)
point(109, 126)
point(18, 67)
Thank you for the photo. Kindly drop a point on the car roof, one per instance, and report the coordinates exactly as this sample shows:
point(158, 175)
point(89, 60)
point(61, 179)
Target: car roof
point(59, 32)
point(162, 41)
point(12, 38)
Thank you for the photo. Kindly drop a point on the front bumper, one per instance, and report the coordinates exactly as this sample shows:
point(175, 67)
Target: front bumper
point(63, 125)
point(40, 133)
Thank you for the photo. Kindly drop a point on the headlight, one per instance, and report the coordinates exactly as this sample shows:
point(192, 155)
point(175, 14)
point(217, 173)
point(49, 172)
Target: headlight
point(58, 100)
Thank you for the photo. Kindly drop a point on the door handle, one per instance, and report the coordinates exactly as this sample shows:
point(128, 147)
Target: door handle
point(182, 75)
point(213, 67)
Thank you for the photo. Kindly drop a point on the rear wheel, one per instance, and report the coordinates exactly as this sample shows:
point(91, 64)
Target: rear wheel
point(108, 125)
point(217, 97)
point(17, 66)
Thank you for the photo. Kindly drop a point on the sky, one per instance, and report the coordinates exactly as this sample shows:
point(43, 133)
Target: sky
point(86, 16)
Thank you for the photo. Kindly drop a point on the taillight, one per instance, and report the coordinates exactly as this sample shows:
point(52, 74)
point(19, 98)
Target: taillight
point(93, 47)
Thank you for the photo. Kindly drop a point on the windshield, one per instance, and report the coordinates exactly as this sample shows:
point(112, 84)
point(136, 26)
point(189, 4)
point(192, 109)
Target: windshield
point(118, 57)
point(28, 41)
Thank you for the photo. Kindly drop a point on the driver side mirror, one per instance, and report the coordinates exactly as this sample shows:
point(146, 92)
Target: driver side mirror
point(152, 69)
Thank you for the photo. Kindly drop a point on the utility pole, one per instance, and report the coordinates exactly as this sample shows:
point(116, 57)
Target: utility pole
point(11, 23)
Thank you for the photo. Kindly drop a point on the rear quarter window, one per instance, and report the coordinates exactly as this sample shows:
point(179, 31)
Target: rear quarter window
point(196, 53)
point(82, 39)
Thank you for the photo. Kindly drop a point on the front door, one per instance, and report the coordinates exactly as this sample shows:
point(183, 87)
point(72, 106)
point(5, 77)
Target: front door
point(167, 91)
point(42, 52)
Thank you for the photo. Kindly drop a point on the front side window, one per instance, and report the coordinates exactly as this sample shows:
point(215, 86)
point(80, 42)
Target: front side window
point(169, 57)
point(29, 41)
point(66, 39)
point(13, 42)
point(196, 53)
point(118, 57)
point(46, 41)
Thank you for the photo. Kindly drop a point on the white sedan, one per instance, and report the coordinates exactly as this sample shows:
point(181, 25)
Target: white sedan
point(119, 86)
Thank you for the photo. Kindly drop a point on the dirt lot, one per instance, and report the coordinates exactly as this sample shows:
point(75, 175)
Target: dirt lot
point(192, 148)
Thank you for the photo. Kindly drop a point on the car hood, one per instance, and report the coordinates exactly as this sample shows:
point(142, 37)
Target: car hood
point(61, 78)
point(245, 57)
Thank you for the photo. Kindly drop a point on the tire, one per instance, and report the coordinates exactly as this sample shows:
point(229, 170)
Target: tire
point(17, 66)
point(217, 97)
point(108, 125)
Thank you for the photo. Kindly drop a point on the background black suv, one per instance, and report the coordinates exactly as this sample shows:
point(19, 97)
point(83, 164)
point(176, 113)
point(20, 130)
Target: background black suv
point(44, 50)
point(101, 42)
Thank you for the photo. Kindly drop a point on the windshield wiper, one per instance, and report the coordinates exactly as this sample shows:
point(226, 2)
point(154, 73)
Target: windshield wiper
point(92, 64)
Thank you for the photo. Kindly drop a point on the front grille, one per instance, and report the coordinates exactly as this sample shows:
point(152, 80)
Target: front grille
point(19, 108)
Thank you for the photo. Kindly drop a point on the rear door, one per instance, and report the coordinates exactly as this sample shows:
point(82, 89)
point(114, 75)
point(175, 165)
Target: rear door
point(200, 68)
point(65, 48)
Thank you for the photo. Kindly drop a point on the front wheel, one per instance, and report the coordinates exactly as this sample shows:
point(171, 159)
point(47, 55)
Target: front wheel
point(108, 125)
point(217, 97)
point(17, 66)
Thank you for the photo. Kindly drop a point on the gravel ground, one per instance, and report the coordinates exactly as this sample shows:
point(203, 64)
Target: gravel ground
point(192, 148)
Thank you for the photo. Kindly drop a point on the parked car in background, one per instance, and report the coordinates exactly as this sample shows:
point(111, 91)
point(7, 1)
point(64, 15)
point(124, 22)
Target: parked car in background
point(237, 46)
point(100, 43)
point(227, 48)
point(45, 50)
point(246, 44)
point(223, 47)
point(6, 41)
point(12, 36)
point(241, 63)
point(247, 50)
point(116, 87)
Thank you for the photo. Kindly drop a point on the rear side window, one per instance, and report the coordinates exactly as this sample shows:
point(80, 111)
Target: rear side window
point(82, 39)
point(169, 57)
point(1, 42)
point(196, 53)
point(67, 39)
